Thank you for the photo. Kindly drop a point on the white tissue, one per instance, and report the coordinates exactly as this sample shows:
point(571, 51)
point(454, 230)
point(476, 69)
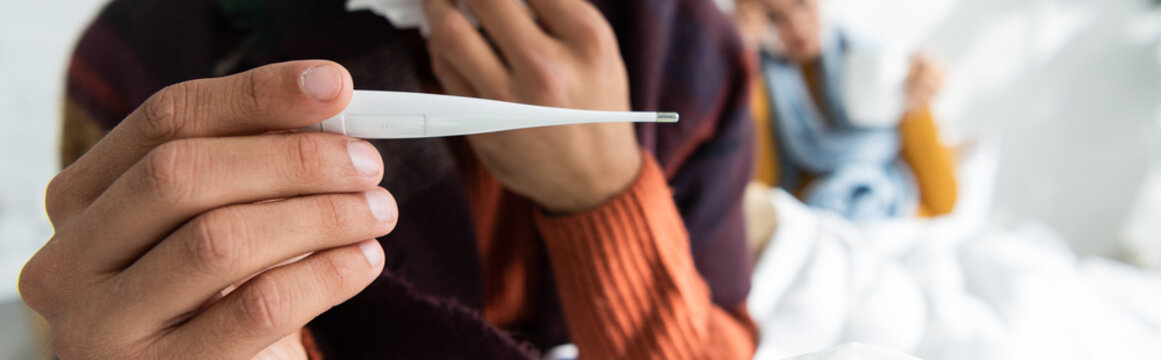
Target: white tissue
point(403, 14)
point(856, 351)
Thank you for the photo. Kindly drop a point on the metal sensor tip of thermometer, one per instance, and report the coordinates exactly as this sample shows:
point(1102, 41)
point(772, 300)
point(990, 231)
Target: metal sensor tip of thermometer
point(667, 117)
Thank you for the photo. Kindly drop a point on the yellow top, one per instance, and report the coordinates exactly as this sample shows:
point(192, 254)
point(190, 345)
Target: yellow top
point(930, 161)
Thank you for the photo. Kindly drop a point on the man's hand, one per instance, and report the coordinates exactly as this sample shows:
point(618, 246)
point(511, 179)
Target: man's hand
point(566, 56)
point(192, 194)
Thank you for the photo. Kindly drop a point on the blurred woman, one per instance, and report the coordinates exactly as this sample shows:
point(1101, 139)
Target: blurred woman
point(809, 144)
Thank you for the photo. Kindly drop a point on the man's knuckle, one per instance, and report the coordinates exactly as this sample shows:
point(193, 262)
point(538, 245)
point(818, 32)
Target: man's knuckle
point(35, 282)
point(449, 32)
point(592, 30)
point(531, 56)
point(167, 170)
point(306, 159)
point(545, 80)
point(338, 270)
point(58, 196)
point(250, 98)
point(216, 244)
point(331, 213)
point(264, 304)
point(161, 113)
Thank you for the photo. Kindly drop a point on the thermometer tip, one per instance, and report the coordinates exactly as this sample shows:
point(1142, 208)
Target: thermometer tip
point(667, 117)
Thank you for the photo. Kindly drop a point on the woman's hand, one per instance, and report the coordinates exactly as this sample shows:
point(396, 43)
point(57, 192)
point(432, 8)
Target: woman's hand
point(750, 17)
point(566, 56)
point(191, 195)
point(924, 81)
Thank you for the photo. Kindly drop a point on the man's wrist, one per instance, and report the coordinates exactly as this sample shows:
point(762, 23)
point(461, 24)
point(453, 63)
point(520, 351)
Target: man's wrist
point(606, 181)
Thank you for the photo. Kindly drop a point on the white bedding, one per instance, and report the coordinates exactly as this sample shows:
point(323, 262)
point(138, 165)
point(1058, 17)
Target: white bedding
point(951, 288)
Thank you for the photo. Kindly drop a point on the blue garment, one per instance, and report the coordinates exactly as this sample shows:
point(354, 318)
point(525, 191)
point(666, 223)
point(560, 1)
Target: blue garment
point(860, 175)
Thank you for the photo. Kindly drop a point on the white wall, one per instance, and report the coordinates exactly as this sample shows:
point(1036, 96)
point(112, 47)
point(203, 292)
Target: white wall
point(1073, 89)
point(35, 39)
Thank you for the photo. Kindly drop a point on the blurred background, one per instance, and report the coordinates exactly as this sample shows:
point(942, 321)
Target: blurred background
point(1070, 90)
point(35, 40)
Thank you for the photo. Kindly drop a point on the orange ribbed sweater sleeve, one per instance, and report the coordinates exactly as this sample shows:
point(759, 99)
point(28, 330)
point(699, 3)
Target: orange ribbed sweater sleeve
point(628, 285)
point(932, 163)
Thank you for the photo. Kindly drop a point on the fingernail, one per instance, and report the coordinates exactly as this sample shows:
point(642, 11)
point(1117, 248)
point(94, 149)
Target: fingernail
point(364, 157)
point(381, 206)
point(322, 83)
point(371, 251)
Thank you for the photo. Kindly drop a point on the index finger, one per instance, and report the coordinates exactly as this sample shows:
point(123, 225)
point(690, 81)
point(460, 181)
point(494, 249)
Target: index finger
point(568, 20)
point(273, 97)
point(509, 25)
